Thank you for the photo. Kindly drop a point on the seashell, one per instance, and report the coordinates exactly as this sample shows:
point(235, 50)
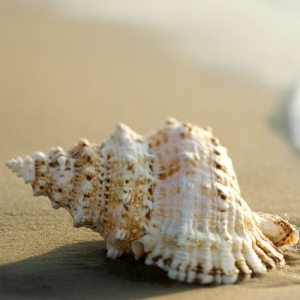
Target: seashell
point(171, 196)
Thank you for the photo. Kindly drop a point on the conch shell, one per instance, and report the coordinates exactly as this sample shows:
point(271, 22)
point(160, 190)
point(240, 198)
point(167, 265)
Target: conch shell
point(171, 196)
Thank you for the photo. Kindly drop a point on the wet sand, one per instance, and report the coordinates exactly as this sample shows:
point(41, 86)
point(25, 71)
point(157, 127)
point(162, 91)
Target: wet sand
point(62, 80)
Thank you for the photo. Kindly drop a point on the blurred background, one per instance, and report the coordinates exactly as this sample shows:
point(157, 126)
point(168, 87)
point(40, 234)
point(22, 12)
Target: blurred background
point(99, 56)
point(255, 38)
point(68, 39)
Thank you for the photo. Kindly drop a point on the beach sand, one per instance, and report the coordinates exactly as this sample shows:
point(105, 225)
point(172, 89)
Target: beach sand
point(62, 80)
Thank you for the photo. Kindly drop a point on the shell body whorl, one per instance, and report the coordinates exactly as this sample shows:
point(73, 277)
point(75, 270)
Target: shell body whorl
point(172, 196)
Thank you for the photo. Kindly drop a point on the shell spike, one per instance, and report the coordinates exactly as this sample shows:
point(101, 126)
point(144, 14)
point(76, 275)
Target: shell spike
point(122, 134)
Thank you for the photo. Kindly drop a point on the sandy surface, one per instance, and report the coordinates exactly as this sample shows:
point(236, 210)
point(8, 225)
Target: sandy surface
point(60, 81)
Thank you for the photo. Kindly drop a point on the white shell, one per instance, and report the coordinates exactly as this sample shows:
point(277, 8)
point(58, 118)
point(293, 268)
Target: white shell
point(172, 196)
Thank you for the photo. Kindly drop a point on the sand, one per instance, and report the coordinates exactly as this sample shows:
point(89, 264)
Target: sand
point(61, 80)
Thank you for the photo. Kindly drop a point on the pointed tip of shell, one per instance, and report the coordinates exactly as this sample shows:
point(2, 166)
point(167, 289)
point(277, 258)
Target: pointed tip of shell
point(13, 164)
point(23, 167)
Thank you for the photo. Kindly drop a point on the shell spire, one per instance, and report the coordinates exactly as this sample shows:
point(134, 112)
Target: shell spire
point(171, 196)
point(45, 172)
point(23, 167)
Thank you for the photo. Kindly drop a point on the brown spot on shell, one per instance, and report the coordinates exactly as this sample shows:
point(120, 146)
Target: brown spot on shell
point(183, 135)
point(162, 176)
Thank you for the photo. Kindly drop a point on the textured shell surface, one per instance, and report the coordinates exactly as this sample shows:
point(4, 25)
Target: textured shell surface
point(171, 196)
